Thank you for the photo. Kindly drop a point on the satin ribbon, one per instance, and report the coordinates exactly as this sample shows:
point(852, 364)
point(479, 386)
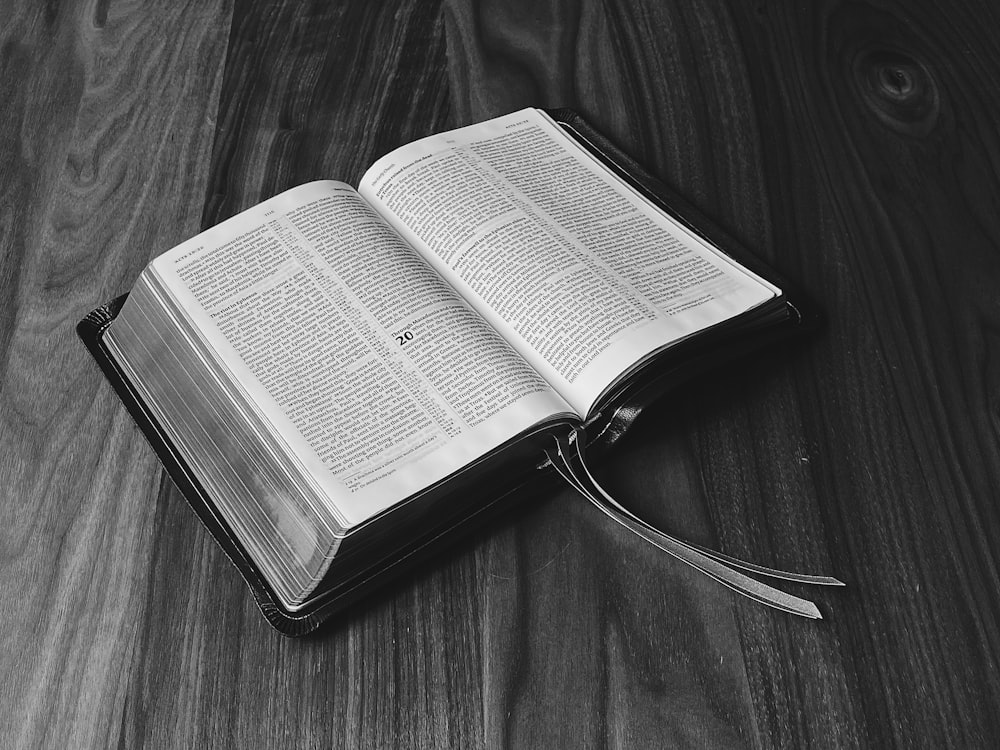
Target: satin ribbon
point(567, 458)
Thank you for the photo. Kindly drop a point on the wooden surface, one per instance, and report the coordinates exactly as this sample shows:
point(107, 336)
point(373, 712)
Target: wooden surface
point(855, 145)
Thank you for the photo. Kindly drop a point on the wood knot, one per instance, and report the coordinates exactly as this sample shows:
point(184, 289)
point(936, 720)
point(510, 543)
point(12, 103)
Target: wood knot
point(898, 89)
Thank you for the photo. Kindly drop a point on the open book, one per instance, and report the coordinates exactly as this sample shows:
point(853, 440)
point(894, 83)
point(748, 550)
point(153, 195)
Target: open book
point(338, 376)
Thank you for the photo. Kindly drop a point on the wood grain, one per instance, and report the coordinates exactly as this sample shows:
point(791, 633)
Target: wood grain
point(890, 104)
point(94, 177)
point(854, 145)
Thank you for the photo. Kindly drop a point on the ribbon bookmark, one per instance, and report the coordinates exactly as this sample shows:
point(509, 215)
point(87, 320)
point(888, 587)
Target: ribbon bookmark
point(568, 460)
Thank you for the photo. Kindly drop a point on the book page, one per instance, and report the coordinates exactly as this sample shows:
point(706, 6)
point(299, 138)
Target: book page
point(379, 376)
point(582, 274)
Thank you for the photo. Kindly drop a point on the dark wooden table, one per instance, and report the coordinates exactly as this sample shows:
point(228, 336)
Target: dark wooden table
point(854, 145)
